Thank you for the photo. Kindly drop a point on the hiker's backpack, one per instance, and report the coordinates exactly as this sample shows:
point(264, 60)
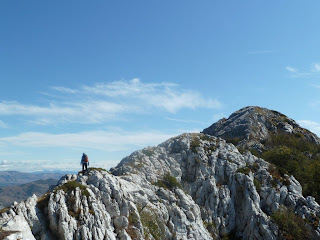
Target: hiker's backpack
point(85, 158)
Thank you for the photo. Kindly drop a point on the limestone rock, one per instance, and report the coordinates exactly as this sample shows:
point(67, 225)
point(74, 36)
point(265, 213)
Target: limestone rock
point(193, 186)
point(250, 126)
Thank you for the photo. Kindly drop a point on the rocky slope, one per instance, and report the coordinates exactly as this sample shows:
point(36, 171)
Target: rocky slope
point(249, 127)
point(193, 186)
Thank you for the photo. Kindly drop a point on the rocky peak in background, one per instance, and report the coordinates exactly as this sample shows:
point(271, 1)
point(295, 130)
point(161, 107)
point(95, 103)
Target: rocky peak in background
point(249, 127)
point(192, 186)
point(277, 139)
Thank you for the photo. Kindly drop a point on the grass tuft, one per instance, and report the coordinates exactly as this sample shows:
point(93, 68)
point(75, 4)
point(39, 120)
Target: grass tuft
point(168, 182)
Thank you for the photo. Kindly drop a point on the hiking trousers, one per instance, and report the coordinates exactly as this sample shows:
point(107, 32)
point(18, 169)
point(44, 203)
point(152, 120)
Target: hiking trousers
point(84, 165)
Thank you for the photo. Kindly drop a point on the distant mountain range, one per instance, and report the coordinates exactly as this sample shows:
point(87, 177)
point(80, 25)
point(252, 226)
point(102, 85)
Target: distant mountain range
point(8, 178)
point(18, 186)
point(18, 193)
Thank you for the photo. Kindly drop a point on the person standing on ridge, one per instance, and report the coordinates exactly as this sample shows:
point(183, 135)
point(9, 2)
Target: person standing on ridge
point(84, 162)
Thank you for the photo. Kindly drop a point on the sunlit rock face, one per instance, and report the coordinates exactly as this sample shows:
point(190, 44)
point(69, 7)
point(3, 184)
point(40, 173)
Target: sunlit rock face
point(193, 186)
point(250, 126)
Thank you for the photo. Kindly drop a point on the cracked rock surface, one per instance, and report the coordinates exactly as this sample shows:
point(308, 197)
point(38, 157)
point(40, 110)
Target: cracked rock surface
point(217, 191)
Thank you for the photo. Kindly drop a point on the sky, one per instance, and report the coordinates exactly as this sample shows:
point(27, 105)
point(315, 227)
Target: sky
point(111, 77)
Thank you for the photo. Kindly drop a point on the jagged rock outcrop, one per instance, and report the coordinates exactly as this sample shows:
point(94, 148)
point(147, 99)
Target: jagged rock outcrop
point(250, 126)
point(218, 191)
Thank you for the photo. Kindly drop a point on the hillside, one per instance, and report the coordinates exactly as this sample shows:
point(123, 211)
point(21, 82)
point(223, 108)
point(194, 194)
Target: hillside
point(8, 178)
point(192, 186)
point(18, 193)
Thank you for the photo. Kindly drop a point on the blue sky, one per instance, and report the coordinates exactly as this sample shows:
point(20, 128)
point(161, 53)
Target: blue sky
point(111, 77)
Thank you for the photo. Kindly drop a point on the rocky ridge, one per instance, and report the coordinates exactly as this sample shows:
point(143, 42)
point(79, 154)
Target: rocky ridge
point(249, 127)
point(220, 192)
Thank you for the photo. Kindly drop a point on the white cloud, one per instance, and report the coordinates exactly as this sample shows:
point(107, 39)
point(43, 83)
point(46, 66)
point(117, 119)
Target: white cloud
point(161, 95)
point(109, 101)
point(312, 72)
point(291, 69)
point(101, 140)
point(3, 163)
point(78, 111)
point(15, 108)
point(315, 67)
point(64, 89)
point(132, 88)
point(311, 125)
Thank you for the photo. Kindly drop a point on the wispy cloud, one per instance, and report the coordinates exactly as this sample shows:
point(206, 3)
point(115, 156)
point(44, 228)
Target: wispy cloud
point(78, 111)
point(101, 140)
point(161, 95)
point(291, 69)
point(311, 125)
point(64, 89)
point(312, 71)
point(316, 67)
point(3, 163)
point(103, 102)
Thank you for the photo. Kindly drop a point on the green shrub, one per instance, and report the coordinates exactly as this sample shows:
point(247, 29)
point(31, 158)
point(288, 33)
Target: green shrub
point(234, 140)
point(210, 226)
point(291, 226)
point(230, 236)
point(168, 182)
point(254, 167)
point(257, 184)
point(255, 152)
point(97, 169)
point(244, 170)
point(274, 183)
point(71, 186)
point(148, 152)
point(206, 137)
point(273, 170)
point(195, 143)
point(152, 223)
point(294, 155)
point(93, 168)
point(43, 201)
point(132, 229)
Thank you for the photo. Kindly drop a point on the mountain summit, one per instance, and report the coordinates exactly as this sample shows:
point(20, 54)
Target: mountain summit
point(249, 127)
point(193, 186)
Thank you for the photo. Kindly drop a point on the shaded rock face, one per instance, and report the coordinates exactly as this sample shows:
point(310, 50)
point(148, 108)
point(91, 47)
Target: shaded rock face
point(220, 191)
point(250, 126)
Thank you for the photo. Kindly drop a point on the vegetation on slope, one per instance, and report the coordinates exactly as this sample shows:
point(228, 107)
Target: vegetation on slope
point(168, 182)
point(294, 155)
point(291, 226)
